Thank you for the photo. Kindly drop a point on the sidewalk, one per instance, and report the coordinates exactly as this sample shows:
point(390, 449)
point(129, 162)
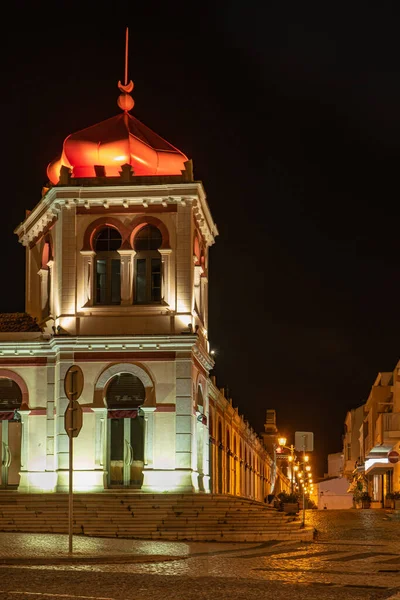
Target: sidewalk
point(44, 548)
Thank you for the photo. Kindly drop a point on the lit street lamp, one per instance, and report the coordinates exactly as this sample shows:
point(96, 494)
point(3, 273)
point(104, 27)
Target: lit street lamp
point(291, 458)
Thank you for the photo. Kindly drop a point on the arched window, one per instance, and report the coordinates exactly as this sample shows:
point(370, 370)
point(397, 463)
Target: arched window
point(10, 399)
point(148, 265)
point(125, 391)
point(108, 266)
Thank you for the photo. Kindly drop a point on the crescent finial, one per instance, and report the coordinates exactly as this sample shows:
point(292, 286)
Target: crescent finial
point(125, 101)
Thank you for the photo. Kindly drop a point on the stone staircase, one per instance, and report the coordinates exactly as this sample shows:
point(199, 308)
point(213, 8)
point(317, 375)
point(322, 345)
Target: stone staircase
point(195, 517)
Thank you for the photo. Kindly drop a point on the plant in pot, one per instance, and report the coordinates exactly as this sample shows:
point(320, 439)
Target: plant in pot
point(358, 491)
point(365, 500)
point(396, 500)
point(389, 500)
point(289, 503)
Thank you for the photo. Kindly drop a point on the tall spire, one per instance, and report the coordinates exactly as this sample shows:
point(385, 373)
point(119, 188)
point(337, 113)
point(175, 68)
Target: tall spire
point(125, 100)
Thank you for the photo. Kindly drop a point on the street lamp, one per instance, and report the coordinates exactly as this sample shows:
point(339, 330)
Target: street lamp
point(305, 479)
point(291, 458)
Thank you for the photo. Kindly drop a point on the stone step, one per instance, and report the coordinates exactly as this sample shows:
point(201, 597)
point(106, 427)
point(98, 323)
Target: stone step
point(149, 516)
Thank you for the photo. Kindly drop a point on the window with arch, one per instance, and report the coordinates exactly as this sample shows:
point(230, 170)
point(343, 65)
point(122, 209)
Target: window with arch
point(148, 265)
point(108, 266)
point(10, 400)
point(45, 274)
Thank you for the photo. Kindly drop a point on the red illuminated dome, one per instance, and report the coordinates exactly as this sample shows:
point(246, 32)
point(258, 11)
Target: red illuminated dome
point(115, 142)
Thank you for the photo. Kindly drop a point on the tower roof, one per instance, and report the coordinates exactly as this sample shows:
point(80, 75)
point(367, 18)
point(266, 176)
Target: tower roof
point(123, 139)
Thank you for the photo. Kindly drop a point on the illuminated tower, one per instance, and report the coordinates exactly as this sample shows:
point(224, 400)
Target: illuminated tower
point(117, 277)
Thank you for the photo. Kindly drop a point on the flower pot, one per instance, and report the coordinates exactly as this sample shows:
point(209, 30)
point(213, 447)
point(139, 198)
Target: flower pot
point(290, 508)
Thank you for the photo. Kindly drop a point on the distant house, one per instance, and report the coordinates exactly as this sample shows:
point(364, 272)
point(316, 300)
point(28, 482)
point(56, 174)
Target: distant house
point(331, 493)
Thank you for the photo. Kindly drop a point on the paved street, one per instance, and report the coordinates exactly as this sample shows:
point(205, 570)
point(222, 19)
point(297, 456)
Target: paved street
point(356, 554)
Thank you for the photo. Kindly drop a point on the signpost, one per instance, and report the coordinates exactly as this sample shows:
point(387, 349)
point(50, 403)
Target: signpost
point(393, 457)
point(73, 386)
point(304, 441)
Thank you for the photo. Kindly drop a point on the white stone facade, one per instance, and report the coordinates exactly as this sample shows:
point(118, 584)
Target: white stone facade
point(190, 437)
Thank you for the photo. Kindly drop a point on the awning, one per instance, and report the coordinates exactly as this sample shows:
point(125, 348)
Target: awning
point(7, 416)
point(122, 414)
point(379, 468)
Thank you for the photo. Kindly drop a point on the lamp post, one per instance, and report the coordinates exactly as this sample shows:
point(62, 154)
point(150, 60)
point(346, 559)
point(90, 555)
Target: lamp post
point(291, 458)
point(305, 479)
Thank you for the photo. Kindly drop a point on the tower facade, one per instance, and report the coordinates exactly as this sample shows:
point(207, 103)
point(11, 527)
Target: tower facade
point(117, 280)
point(117, 254)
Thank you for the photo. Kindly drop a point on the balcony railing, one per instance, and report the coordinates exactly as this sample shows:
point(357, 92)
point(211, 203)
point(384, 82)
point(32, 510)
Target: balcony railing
point(387, 430)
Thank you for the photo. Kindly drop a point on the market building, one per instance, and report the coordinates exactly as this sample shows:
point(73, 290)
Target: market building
point(117, 256)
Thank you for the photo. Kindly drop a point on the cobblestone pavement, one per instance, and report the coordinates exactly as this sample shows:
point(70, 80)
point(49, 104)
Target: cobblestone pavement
point(356, 555)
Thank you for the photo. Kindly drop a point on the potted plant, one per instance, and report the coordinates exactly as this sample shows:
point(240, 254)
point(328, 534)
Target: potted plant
point(396, 500)
point(357, 493)
point(365, 500)
point(389, 500)
point(289, 503)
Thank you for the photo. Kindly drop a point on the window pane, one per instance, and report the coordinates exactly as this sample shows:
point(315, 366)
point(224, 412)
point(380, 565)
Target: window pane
point(117, 439)
point(115, 281)
point(101, 282)
point(148, 238)
point(137, 438)
point(141, 280)
point(108, 239)
point(156, 280)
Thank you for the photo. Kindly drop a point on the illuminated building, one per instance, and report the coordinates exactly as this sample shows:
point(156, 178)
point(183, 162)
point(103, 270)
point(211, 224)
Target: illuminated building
point(117, 280)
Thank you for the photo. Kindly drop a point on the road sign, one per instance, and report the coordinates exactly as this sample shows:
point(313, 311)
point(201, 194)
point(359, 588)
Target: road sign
point(393, 456)
point(73, 386)
point(73, 382)
point(304, 441)
point(73, 418)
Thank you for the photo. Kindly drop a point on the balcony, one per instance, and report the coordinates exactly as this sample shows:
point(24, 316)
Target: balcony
point(387, 429)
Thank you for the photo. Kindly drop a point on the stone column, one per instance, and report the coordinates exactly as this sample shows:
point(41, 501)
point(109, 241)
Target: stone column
point(100, 437)
point(127, 269)
point(148, 436)
point(24, 441)
point(62, 440)
point(50, 424)
point(184, 422)
point(88, 277)
point(166, 278)
point(44, 290)
point(50, 288)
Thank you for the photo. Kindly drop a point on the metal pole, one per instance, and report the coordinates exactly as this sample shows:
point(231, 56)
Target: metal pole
point(292, 467)
point(304, 494)
point(71, 463)
point(70, 492)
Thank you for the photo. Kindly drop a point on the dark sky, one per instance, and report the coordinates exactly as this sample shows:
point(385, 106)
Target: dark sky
point(291, 114)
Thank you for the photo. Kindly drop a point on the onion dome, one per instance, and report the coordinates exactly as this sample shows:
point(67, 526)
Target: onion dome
point(115, 142)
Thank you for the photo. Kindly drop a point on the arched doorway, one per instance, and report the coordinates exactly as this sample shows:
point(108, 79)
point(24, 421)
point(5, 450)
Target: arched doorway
point(124, 395)
point(10, 433)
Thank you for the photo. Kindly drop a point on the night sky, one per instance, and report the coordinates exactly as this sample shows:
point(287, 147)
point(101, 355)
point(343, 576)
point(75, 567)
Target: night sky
point(291, 114)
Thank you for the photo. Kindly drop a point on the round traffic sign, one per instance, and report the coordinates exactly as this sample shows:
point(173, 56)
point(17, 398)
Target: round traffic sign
point(393, 456)
point(73, 382)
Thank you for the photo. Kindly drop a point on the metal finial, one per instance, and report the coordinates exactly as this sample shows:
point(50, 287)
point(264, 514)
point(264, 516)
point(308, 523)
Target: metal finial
point(125, 101)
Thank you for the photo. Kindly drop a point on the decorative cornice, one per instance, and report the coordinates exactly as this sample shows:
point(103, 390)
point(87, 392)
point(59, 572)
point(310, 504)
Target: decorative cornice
point(109, 197)
point(48, 346)
point(203, 357)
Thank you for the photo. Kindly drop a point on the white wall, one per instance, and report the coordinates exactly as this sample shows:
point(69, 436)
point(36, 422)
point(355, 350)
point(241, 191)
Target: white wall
point(332, 494)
